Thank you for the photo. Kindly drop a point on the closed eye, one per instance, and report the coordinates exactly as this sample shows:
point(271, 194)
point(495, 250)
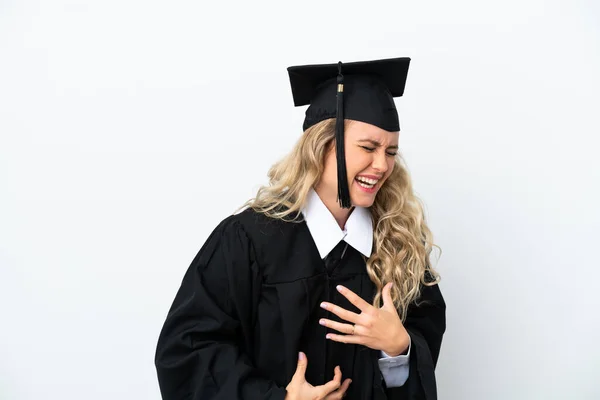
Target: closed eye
point(372, 149)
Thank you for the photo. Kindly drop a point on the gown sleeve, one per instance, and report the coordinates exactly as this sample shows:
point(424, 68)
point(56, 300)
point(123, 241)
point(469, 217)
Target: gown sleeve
point(426, 324)
point(203, 348)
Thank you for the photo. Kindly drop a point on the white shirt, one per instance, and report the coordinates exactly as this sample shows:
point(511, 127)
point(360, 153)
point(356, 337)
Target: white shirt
point(358, 233)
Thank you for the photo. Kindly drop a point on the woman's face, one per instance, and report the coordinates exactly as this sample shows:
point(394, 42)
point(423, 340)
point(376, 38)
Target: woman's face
point(370, 157)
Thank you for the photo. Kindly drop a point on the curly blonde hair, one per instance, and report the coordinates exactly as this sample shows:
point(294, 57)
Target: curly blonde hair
point(402, 242)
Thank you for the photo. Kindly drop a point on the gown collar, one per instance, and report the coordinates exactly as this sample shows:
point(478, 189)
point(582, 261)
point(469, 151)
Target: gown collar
point(326, 232)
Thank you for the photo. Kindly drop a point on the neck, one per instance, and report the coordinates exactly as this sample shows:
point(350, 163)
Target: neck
point(340, 214)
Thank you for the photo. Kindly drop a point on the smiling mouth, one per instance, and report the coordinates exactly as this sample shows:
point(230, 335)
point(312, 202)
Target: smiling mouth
point(367, 183)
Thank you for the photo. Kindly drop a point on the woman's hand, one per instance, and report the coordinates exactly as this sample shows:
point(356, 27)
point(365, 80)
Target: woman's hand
point(376, 328)
point(300, 389)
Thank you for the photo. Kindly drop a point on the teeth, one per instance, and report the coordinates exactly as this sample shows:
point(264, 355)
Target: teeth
point(367, 180)
point(365, 185)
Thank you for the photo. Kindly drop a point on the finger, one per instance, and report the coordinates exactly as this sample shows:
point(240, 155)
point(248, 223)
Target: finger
point(355, 299)
point(333, 384)
point(342, 390)
point(340, 312)
point(353, 339)
point(302, 364)
point(337, 374)
point(387, 296)
point(338, 326)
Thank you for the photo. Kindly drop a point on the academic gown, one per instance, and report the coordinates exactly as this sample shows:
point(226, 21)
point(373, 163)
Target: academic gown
point(250, 301)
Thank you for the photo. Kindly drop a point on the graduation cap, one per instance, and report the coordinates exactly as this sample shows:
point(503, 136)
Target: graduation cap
point(362, 91)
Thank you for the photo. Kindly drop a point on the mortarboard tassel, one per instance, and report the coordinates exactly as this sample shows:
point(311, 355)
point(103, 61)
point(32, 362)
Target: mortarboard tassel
point(343, 191)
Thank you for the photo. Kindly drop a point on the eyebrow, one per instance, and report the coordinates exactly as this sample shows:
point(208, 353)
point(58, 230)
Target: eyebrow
point(376, 143)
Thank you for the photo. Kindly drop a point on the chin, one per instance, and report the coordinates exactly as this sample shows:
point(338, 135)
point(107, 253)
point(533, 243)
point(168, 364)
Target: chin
point(362, 200)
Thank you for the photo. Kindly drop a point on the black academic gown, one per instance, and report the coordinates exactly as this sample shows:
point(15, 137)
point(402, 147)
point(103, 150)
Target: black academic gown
point(249, 302)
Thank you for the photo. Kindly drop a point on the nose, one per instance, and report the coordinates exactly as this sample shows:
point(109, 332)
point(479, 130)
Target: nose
point(380, 162)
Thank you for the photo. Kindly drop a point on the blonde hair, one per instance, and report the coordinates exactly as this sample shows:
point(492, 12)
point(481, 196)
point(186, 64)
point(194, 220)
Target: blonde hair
point(402, 241)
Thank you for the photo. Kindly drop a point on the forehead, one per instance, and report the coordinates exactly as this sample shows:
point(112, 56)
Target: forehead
point(357, 130)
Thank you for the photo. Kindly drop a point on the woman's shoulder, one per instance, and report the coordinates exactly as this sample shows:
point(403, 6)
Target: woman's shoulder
point(264, 232)
point(260, 224)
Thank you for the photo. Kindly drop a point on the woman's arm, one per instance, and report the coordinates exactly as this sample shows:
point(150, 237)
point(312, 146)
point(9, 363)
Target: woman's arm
point(426, 324)
point(200, 354)
point(395, 369)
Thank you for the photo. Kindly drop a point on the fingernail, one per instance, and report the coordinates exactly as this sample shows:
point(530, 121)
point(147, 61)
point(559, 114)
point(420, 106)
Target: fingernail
point(324, 305)
point(327, 336)
point(339, 288)
point(301, 356)
point(322, 321)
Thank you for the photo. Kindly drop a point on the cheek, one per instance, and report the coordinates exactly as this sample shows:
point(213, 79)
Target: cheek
point(357, 162)
point(391, 165)
point(330, 170)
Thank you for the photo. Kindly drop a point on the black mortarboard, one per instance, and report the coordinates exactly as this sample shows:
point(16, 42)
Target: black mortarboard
point(362, 91)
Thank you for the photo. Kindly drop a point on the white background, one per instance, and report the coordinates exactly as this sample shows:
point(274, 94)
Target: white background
point(129, 129)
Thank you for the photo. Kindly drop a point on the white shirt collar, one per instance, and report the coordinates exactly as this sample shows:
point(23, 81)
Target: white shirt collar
point(326, 232)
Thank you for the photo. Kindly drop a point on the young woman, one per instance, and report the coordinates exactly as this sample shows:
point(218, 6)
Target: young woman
point(321, 288)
